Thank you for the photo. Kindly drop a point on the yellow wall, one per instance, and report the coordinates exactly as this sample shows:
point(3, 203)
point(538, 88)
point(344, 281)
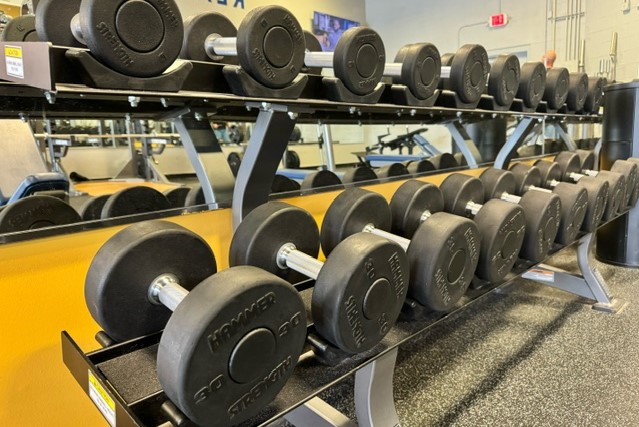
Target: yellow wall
point(41, 283)
point(303, 10)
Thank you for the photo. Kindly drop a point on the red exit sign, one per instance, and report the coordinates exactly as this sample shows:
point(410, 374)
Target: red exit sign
point(498, 20)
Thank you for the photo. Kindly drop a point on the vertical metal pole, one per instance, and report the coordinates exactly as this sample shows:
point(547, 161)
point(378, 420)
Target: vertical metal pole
point(328, 146)
point(374, 401)
point(206, 156)
point(263, 154)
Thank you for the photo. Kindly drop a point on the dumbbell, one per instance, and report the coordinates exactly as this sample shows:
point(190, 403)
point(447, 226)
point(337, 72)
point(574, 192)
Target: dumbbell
point(543, 212)
point(418, 67)
point(574, 200)
point(36, 212)
point(269, 44)
point(283, 184)
point(134, 201)
point(595, 96)
point(635, 194)
point(390, 171)
point(225, 335)
point(532, 84)
point(358, 60)
point(91, 209)
point(577, 91)
point(443, 250)
point(360, 289)
point(20, 29)
point(418, 167)
point(557, 87)
point(466, 72)
point(138, 38)
point(570, 165)
point(313, 179)
point(503, 78)
point(502, 225)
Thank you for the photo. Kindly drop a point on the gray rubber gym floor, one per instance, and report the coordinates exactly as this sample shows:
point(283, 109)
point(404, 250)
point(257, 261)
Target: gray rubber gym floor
point(528, 356)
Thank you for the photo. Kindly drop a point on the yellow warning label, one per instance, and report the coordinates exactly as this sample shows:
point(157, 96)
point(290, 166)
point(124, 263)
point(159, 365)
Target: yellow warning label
point(13, 52)
point(102, 400)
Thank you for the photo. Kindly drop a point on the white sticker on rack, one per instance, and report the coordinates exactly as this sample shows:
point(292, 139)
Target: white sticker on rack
point(102, 400)
point(14, 61)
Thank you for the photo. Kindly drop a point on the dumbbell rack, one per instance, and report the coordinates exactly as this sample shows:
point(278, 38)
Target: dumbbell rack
point(41, 90)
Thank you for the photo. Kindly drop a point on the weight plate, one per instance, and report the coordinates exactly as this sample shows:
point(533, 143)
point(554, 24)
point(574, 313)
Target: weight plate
point(36, 212)
point(446, 247)
point(392, 171)
point(532, 84)
point(91, 210)
point(195, 197)
point(577, 91)
point(557, 84)
point(503, 81)
point(312, 45)
point(196, 30)
point(321, 179)
point(259, 238)
point(283, 184)
point(359, 60)
point(616, 195)
point(116, 289)
point(629, 171)
point(574, 204)
point(177, 196)
point(292, 160)
point(271, 46)
point(296, 135)
point(360, 292)
point(134, 201)
point(444, 161)
point(410, 202)
point(469, 72)
point(231, 346)
point(360, 174)
point(543, 218)
point(421, 69)
point(598, 191)
point(460, 190)
point(502, 227)
point(594, 99)
point(20, 29)
point(496, 182)
point(350, 213)
point(526, 176)
point(53, 22)
point(587, 158)
point(235, 161)
point(138, 38)
point(419, 167)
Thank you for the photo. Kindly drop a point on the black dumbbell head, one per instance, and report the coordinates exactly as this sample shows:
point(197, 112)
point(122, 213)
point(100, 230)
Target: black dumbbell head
point(421, 69)
point(409, 203)
point(503, 81)
point(469, 72)
point(444, 161)
point(91, 209)
point(557, 83)
point(460, 190)
point(36, 212)
point(359, 60)
point(594, 99)
point(577, 91)
point(284, 184)
point(629, 171)
point(598, 195)
point(116, 288)
point(321, 179)
point(588, 159)
point(392, 171)
point(532, 84)
point(496, 182)
point(177, 196)
point(196, 30)
point(360, 174)
point(418, 167)
point(134, 201)
point(20, 29)
point(574, 205)
point(526, 176)
point(236, 330)
point(53, 21)
point(271, 46)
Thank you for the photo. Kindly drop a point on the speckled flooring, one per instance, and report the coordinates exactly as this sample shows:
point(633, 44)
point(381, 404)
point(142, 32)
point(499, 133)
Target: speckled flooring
point(526, 356)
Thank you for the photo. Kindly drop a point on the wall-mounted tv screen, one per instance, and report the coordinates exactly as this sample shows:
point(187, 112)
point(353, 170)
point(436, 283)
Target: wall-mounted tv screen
point(328, 29)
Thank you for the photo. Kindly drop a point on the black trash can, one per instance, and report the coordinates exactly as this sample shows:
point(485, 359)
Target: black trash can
point(618, 241)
